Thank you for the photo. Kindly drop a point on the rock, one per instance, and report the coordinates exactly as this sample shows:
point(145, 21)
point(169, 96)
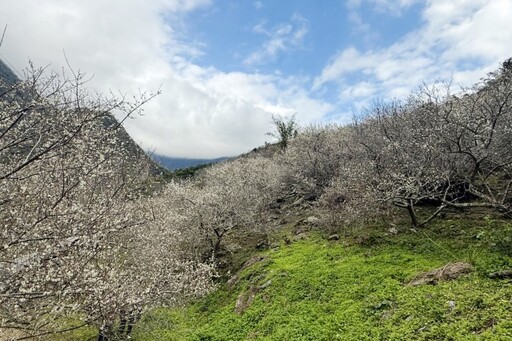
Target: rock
point(448, 272)
point(313, 220)
point(423, 281)
point(245, 300)
point(251, 261)
point(300, 236)
point(454, 270)
point(333, 237)
point(393, 231)
point(265, 285)
point(451, 305)
point(233, 281)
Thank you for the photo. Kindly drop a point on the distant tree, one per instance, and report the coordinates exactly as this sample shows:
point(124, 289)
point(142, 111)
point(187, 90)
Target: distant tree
point(284, 129)
point(313, 158)
point(229, 197)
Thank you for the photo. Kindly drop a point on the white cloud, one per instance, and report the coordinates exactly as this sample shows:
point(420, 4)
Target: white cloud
point(361, 27)
point(360, 90)
point(131, 45)
point(258, 4)
point(460, 39)
point(281, 38)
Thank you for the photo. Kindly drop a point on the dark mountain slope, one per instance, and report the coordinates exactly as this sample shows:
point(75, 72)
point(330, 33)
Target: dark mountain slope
point(130, 149)
point(174, 163)
point(6, 74)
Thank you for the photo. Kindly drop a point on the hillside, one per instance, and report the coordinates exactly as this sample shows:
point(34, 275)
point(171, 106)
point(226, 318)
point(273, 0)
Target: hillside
point(358, 288)
point(396, 226)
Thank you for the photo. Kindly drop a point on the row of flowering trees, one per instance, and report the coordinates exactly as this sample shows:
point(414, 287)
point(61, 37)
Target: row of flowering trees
point(434, 148)
point(83, 239)
point(77, 239)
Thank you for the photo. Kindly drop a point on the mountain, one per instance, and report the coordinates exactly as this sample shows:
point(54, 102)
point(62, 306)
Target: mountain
point(173, 163)
point(6, 74)
point(129, 148)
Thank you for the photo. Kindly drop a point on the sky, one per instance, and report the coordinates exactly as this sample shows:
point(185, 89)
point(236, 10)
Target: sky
point(225, 67)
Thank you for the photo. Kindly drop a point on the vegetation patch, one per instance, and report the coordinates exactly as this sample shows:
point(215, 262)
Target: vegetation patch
point(324, 290)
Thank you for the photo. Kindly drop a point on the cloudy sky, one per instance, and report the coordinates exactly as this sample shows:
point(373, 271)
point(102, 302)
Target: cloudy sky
point(225, 66)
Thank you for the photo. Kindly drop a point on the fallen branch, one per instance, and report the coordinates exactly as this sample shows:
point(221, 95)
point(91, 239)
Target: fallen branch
point(501, 274)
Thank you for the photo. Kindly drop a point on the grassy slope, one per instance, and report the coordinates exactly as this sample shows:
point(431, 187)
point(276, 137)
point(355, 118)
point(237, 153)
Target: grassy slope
point(325, 290)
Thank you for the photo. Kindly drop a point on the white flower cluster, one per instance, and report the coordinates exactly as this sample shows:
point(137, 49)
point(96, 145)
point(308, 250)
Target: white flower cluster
point(75, 239)
point(434, 147)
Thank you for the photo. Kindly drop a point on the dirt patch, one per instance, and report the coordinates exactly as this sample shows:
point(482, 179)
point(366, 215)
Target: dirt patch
point(448, 272)
point(245, 300)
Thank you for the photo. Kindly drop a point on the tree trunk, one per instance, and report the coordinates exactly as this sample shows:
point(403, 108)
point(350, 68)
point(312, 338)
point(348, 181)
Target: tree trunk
point(104, 333)
point(122, 324)
point(412, 214)
point(135, 315)
point(216, 245)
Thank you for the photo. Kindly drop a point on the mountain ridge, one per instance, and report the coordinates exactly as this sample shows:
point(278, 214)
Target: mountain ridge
point(133, 151)
point(174, 163)
point(7, 74)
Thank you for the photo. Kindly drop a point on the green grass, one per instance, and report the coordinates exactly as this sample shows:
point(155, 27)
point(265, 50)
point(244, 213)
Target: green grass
point(324, 290)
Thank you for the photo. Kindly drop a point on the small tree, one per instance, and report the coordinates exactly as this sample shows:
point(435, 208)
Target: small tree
point(226, 198)
point(284, 129)
point(313, 158)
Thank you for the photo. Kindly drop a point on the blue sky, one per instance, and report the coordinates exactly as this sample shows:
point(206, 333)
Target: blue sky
point(225, 67)
point(308, 33)
point(293, 38)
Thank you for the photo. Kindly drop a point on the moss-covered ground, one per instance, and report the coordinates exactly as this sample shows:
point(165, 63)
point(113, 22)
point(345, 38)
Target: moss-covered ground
point(347, 290)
